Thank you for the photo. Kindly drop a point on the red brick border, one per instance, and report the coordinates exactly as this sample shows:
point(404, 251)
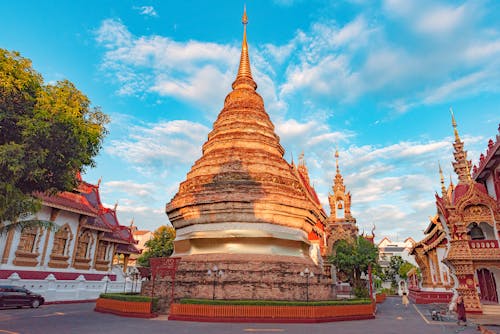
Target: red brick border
point(271, 314)
point(124, 308)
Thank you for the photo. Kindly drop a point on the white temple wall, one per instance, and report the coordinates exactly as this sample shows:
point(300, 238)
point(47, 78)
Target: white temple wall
point(441, 253)
point(54, 290)
point(490, 186)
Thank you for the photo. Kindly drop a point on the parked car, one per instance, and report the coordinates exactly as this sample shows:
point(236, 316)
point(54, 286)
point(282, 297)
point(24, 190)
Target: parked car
point(16, 296)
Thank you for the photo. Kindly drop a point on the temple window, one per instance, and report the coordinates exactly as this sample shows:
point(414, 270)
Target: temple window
point(101, 253)
point(27, 242)
point(83, 250)
point(62, 239)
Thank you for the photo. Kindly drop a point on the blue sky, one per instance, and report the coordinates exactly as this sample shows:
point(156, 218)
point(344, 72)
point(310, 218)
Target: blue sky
point(374, 78)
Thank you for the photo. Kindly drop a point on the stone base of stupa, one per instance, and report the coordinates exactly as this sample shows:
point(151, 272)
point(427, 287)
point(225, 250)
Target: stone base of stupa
point(245, 276)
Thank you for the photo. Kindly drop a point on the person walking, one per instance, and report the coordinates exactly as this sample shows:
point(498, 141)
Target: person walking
point(461, 311)
point(405, 300)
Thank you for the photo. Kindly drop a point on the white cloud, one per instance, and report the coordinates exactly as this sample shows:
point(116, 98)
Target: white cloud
point(441, 19)
point(428, 54)
point(147, 11)
point(160, 146)
point(196, 72)
point(130, 187)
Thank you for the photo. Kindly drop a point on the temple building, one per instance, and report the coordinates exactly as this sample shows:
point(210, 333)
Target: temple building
point(80, 250)
point(465, 233)
point(246, 215)
point(436, 282)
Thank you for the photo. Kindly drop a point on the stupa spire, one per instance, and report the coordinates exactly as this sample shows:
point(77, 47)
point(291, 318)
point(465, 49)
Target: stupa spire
point(454, 124)
point(337, 160)
point(461, 165)
point(244, 77)
point(338, 182)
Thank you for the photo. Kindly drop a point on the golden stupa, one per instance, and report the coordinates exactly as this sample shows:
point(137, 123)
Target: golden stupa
point(246, 211)
point(241, 196)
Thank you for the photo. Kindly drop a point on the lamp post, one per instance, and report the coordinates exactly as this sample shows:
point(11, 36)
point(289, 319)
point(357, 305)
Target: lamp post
point(215, 272)
point(307, 274)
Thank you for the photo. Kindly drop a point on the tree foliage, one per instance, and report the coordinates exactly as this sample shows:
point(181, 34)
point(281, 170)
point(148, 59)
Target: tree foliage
point(48, 133)
point(353, 257)
point(160, 245)
point(398, 267)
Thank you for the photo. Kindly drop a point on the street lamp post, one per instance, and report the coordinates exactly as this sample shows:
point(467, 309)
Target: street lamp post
point(307, 274)
point(216, 273)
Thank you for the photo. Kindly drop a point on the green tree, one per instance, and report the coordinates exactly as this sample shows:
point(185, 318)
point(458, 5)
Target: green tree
point(404, 269)
point(48, 133)
point(160, 245)
point(392, 272)
point(354, 257)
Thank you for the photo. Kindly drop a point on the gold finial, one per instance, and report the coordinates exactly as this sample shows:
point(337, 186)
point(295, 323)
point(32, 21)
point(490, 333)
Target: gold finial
point(244, 19)
point(116, 206)
point(132, 223)
point(443, 188)
point(244, 77)
point(99, 182)
point(301, 159)
point(337, 160)
point(454, 124)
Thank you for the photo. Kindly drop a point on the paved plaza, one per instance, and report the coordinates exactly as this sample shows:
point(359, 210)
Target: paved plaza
point(392, 317)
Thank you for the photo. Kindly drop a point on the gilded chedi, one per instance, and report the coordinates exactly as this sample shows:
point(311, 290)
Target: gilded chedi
point(241, 196)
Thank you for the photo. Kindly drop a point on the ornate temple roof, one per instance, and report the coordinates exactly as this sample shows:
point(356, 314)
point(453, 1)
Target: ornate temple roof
point(86, 201)
point(489, 162)
point(242, 177)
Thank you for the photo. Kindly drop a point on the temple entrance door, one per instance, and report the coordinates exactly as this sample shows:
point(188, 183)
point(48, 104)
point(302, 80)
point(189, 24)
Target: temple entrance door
point(487, 285)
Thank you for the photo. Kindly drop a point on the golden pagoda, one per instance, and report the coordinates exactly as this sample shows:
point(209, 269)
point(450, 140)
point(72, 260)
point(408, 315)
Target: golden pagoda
point(244, 210)
point(241, 196)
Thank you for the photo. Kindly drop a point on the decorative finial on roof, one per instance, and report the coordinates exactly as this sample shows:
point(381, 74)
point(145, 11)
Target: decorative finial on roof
point(244, 77)
point(337, 160)
point(116, 206)
point(244, 19)
point(132, 223)
point(302, 162)
point(443, 188)
point(99, 182)
point(454, 124)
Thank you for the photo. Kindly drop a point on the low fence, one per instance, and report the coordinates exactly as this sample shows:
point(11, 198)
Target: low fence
point(80, 289)
point(261, 313)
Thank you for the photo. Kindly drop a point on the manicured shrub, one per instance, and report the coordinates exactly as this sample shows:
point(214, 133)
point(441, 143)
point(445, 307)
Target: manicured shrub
point(131, 297)
point(275, 302)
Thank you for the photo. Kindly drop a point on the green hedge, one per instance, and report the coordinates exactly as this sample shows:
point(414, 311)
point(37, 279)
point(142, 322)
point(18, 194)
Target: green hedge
point(275, 302)
point(130, 297)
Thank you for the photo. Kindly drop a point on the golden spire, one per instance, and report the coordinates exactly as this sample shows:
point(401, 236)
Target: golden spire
point(337, 160)
point(461, 165)
point(443, 188)
point(454, 123)
point(244, 77)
